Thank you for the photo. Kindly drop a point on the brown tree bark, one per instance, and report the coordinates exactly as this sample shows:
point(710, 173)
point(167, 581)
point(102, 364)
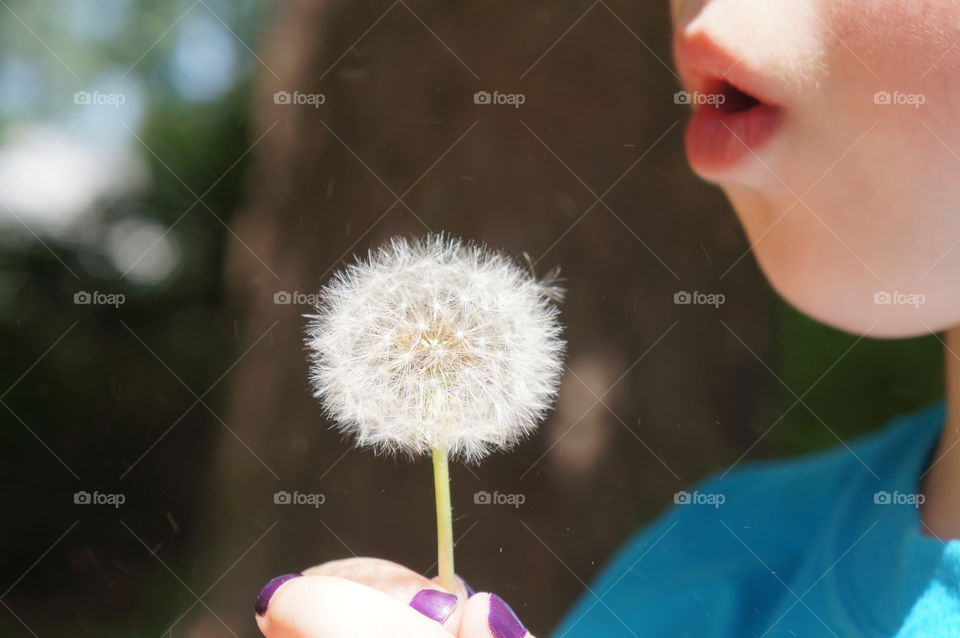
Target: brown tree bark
point(400, 121)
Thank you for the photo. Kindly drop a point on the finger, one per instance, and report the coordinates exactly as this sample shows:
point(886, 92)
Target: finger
point(460, 587)
point(401, 583)
point(387, 576)
point(489, 616)
point(329, 607)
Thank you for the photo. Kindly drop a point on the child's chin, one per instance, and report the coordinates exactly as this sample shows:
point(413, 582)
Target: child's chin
point(869, 313)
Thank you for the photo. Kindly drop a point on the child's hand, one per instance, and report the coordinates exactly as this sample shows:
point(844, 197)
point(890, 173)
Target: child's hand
point(373, 598)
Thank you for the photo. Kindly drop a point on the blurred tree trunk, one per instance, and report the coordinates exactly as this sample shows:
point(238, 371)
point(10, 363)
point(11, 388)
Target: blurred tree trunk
point(399, 115)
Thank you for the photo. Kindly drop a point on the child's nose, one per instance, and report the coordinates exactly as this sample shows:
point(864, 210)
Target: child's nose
point(779, 38)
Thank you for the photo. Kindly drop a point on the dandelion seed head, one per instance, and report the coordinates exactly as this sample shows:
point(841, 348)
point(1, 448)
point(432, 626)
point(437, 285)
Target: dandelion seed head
point(436, 343)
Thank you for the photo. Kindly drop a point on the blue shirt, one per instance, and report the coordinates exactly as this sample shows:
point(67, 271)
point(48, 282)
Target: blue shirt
point(825, 545)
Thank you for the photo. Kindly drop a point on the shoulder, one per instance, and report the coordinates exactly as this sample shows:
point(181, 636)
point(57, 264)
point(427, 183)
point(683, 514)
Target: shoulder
point(739, 533)
point(791, 496)
point(769, 509)
point(847, 462)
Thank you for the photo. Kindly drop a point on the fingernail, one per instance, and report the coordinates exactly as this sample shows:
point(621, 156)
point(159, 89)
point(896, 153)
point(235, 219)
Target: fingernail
point(263, 598)
point(467, 586)
point(434, 604)
point(503, 622)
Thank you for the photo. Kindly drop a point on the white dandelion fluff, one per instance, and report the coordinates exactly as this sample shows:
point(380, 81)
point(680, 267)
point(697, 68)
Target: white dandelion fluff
point(436, 344)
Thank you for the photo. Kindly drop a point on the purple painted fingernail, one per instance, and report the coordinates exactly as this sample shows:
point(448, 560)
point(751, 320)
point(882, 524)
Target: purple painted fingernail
point(433, 604)
point(263, 598)
point(503, 622)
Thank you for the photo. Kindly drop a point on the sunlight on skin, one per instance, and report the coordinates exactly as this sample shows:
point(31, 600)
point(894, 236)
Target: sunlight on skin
point(847, 194)
point(372, 597)
point(849, 200)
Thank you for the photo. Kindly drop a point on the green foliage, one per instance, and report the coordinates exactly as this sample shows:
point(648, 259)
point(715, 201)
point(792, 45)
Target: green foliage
point(865, 382)
point(100, 397)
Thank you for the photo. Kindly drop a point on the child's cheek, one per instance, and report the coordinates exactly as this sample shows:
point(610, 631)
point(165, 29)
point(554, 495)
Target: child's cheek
point(895, 59)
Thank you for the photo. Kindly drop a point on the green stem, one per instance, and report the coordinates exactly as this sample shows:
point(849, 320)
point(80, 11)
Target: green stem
point(441, 484)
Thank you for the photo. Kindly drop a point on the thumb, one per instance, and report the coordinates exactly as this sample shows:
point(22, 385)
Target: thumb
point(489, 616)
point(331, 607)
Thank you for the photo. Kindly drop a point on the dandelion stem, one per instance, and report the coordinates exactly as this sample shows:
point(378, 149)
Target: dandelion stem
point(441, 483)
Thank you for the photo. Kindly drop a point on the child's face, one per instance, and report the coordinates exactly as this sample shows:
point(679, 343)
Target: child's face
point(840, 151)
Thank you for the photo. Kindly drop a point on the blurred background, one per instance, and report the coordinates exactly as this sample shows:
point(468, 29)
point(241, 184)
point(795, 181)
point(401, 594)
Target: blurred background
point(177, 177)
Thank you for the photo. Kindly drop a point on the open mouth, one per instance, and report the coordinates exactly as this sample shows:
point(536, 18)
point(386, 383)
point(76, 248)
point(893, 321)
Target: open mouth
point(727, 126)
point(730, 99)
point(737, 104)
